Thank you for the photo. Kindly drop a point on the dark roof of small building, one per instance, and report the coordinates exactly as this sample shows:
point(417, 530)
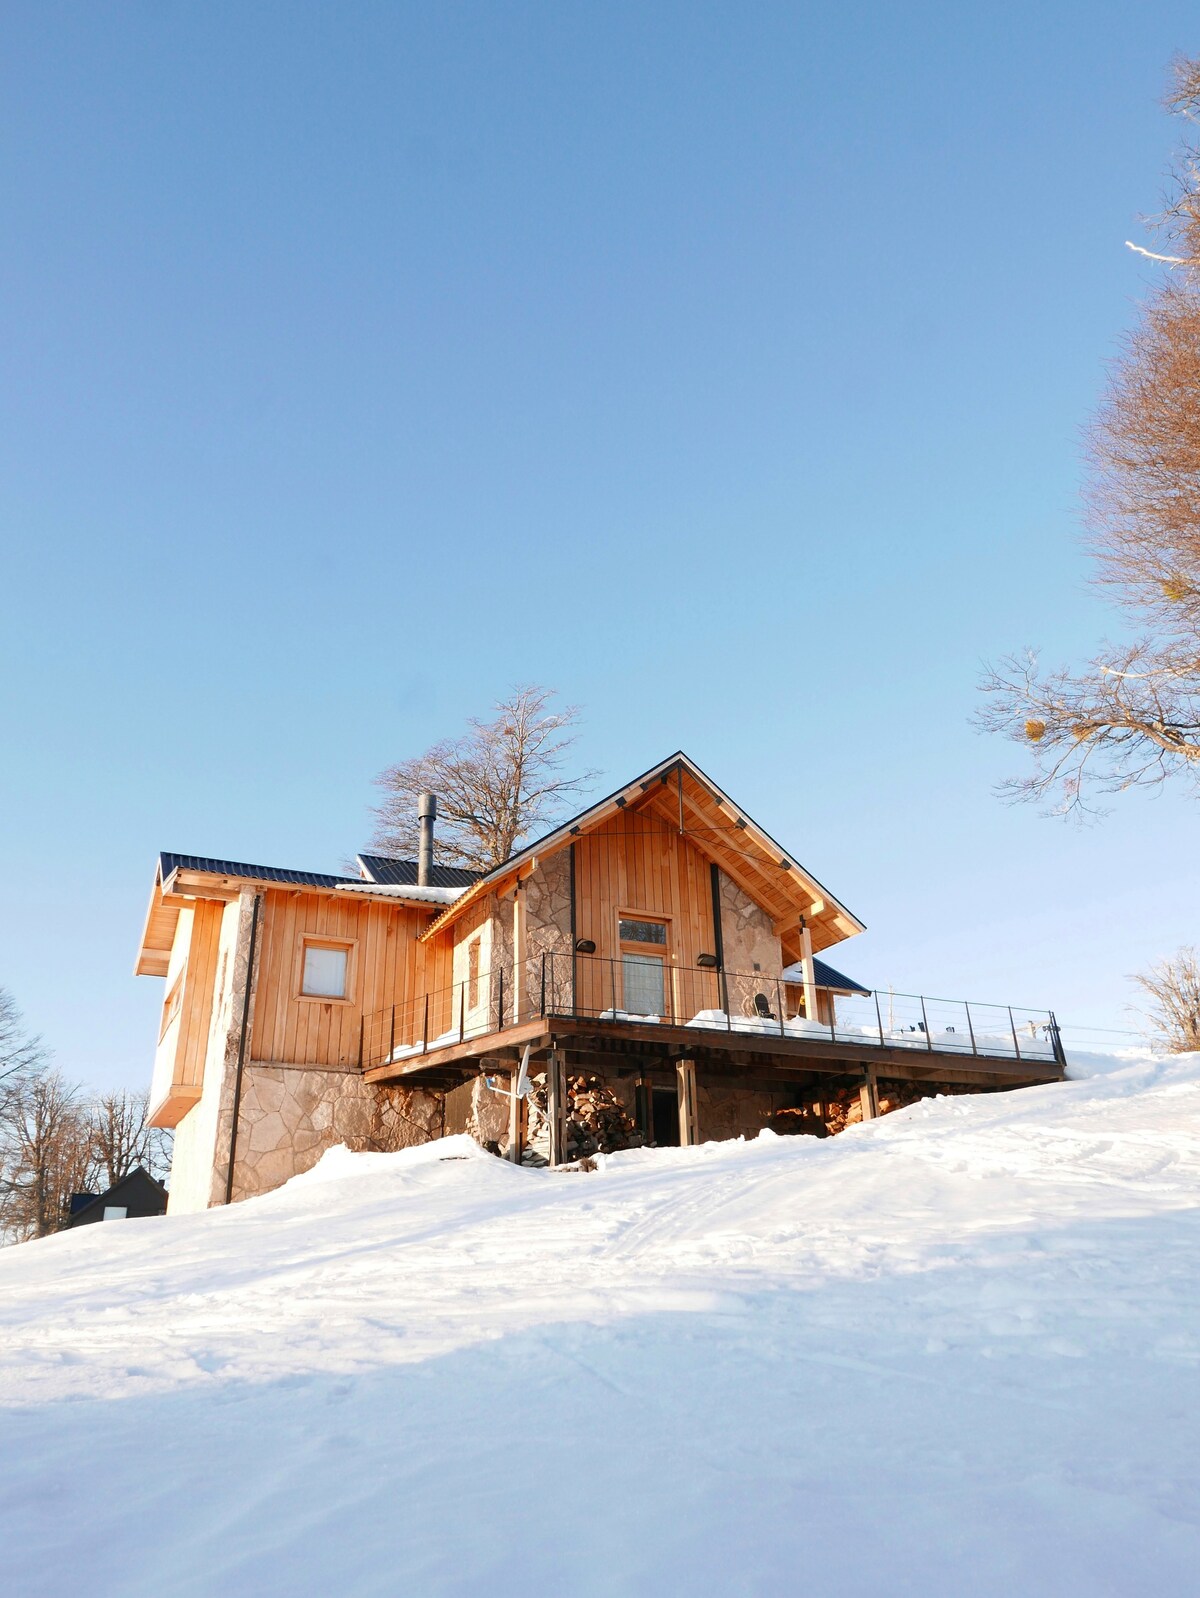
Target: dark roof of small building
point(829, 977)
point(393, 873)
point(136, 1181)
point(239, 868)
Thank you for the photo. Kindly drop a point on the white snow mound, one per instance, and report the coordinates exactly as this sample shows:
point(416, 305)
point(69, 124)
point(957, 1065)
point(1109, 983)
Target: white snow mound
point(953, 1350)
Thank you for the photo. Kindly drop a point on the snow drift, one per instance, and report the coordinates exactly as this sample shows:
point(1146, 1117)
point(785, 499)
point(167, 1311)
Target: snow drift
point(954, 1350)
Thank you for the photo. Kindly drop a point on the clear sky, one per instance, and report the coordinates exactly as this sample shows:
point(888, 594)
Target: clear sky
point(722, 365)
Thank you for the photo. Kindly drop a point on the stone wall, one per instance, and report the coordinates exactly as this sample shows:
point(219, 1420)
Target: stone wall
point(746, 936)
point(547, 907)
point(728, 1112)
point(291, 1114)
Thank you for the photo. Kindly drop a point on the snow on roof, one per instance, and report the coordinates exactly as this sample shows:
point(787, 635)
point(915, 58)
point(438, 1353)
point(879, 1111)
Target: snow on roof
point(429, 895)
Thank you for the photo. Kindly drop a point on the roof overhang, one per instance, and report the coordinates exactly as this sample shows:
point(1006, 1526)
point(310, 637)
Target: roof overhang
point(683, 796)
point(181, 887)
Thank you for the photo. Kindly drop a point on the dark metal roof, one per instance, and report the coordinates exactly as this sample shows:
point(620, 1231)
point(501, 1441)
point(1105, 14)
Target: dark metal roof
point(828, 977)
point(138, 1186)
point(393, 873)
point(238, 868)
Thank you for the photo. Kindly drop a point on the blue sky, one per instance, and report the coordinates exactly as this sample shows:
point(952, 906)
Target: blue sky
point(720, 365)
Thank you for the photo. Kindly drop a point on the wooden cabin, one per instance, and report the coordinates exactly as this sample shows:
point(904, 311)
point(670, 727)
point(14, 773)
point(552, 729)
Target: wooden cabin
point(651, 971)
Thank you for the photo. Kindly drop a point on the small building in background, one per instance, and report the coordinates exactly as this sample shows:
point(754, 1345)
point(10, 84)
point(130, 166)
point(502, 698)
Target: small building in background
point(133, 1196)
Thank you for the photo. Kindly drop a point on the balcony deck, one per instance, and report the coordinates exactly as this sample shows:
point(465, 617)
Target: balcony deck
point(441, 1040)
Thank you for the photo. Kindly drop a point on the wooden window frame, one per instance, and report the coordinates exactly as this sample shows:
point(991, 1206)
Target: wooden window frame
point(634, 947)
point(318, 940)
point(173, 1003)
point(662, 951)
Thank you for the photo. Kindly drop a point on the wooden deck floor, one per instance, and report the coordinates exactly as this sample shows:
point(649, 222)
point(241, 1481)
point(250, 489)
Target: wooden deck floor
point(606, 1045)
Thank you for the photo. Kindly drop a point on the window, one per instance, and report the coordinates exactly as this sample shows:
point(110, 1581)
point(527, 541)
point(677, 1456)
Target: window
point(324, 971)
point(643, 965)
point(172, 1005)
point(642, 977)
point(473, 949)
point(115, 1212)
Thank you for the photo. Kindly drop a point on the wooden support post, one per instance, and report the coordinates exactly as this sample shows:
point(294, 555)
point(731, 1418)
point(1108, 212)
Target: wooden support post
point(515, 1105)
point(810, 977)
point(644, 1108)
point(556, 1104)
point(689, 1125)
point(868, 1095)
point(520, 999)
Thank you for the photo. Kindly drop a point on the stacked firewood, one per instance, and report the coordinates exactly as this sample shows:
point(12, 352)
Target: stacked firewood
point(597, 1121)
point(842, 1107)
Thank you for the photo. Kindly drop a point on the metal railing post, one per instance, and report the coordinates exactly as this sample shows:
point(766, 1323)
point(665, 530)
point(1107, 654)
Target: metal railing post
point(500, 1002)
point(1013, 1025)
point(462, 1010)
point(543, 982)
point(970, 1028)
point(425, 1028)
point(925, 1024)
point(878, 1014)
point(392, 1043)
point(612, 985)
point(779, 1005)
point(362, 1022)
point(1056, 1043)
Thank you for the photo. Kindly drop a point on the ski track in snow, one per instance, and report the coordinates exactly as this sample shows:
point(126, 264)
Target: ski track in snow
point(955, 1350)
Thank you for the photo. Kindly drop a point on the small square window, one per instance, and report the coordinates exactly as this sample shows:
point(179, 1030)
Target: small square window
point(324, 972)
point(115, 1212)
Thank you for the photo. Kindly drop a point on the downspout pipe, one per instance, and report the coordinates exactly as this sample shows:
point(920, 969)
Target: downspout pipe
point(426, 816)
point(242, 1040)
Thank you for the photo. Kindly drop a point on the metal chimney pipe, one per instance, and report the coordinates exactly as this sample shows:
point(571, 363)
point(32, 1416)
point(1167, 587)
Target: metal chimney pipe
point(426, 815)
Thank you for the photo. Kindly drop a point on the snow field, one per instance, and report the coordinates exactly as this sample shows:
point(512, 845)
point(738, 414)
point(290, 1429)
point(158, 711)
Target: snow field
point(952, 1351)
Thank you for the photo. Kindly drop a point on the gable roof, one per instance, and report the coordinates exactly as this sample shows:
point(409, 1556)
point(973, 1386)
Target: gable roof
point(395, 873)
point(676, 790)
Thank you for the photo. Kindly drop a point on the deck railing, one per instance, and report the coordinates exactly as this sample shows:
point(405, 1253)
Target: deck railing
point(587, 987)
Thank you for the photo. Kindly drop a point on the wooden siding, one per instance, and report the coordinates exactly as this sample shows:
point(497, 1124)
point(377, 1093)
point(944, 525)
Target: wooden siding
point(387, 966)
point(638, 862)
point(179, 1060)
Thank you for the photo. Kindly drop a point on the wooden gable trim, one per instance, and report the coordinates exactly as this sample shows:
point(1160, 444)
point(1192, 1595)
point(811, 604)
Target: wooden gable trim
point(779, 884)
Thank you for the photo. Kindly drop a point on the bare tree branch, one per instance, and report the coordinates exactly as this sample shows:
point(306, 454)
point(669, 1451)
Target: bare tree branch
point(496, 784)
point(1173, 988)
point(1131, 717)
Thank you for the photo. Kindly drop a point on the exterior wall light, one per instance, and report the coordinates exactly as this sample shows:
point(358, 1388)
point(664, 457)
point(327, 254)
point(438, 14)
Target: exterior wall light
point(584, 946)
point(708, 961)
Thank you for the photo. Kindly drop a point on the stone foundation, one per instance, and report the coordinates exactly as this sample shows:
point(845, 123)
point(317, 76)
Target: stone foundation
point(291, 1114)
point(729, 1112)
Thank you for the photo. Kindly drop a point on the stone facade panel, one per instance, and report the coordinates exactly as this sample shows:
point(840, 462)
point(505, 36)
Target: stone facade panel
point(312, 1111)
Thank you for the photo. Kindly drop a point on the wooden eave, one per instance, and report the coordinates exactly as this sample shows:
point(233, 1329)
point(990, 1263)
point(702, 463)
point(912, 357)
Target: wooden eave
point(718, 828)
point(158, 935)
point(182, 887)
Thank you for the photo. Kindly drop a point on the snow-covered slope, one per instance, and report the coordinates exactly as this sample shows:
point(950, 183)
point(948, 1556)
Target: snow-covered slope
point(955, 1351)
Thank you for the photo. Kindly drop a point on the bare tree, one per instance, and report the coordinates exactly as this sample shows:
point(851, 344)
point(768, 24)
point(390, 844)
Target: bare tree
point(495, 785)
point(121, 1139)
point(20, 1051)
point(1173, 988)
point(45, 1153)
point(1132, 717)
